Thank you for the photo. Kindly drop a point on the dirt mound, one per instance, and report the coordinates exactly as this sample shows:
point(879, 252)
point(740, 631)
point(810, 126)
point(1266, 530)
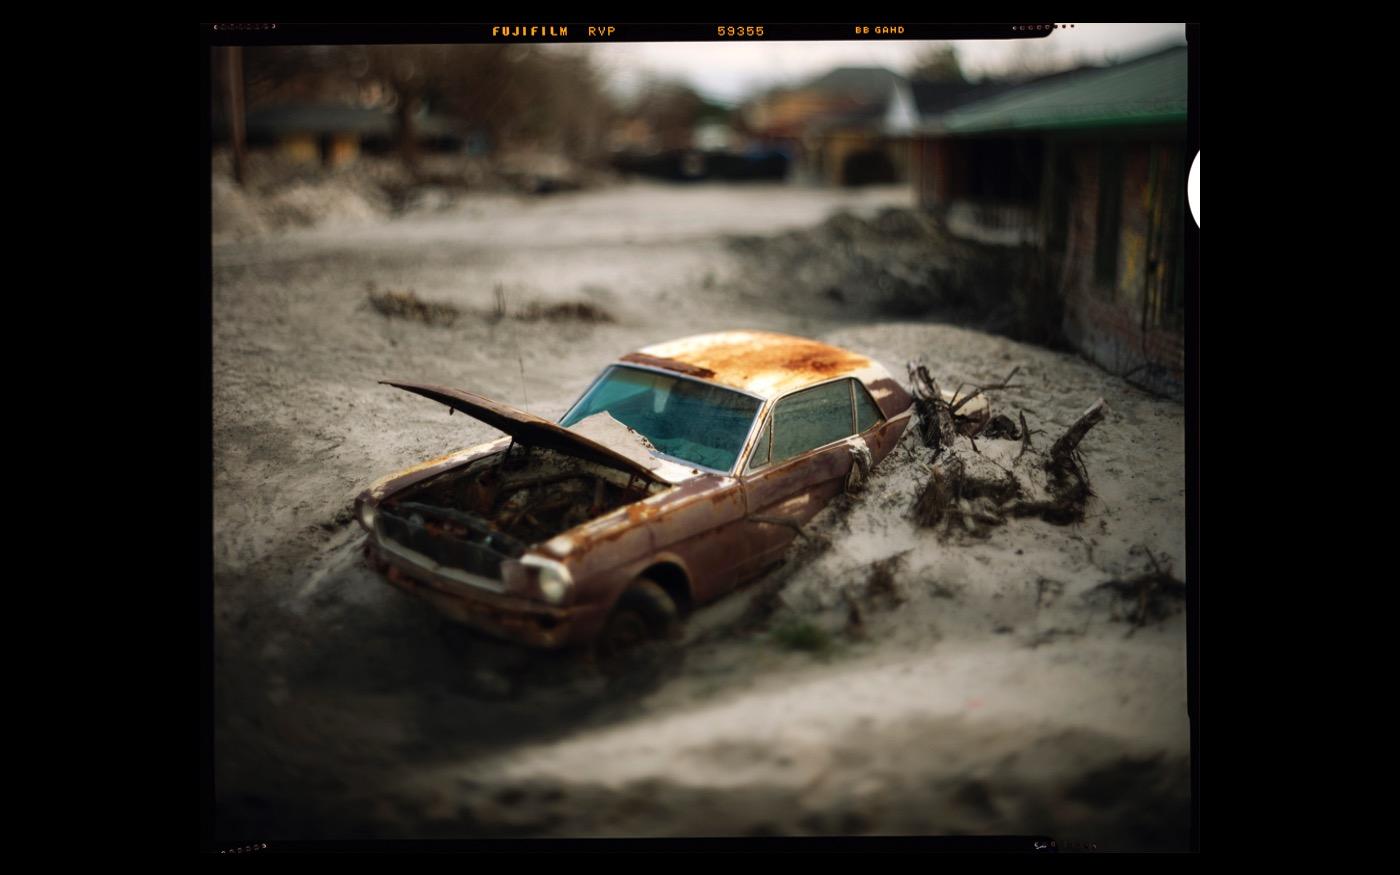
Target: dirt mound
point(281, 194)
point(243, 212)
point(902, 263)
point(308, 203)
point(235, 214)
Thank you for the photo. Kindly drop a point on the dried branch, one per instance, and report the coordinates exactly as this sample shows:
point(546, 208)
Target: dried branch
point(1004, 384)
point(957, 405)
point(1063, 449)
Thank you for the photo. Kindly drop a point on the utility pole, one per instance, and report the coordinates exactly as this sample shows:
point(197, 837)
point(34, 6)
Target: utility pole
point(233, 77)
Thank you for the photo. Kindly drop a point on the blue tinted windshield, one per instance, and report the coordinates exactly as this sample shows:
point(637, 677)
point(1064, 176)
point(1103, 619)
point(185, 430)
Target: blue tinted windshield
point(697, 422)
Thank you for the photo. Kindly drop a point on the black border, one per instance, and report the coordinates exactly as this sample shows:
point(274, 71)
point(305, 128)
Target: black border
point(796, 844)
point(202, 338)
point(400, 33)
point(1193, 437)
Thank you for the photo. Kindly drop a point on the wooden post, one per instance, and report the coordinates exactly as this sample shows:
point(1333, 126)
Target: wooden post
point(233, 76)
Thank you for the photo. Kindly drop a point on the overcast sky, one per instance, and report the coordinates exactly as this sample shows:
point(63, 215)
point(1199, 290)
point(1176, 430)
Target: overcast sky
point(728, 72)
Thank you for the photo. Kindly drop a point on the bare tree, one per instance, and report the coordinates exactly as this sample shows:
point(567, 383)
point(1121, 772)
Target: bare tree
point(1033, 58)
point(938, 62)
point(672, 108)
point(511, 93)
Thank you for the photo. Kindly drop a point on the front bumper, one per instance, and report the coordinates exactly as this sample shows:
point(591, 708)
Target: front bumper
point(502, 616)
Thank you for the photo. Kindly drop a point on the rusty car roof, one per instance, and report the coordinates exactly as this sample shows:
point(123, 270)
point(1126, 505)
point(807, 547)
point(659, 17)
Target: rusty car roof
point(763, 363)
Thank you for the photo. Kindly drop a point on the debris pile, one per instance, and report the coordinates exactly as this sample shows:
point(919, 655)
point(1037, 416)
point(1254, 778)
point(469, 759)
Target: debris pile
point(974, 488)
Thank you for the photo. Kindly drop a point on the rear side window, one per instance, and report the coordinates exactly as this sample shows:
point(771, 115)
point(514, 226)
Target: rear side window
point(759, 457)
point(867, 414)
point(811, 418)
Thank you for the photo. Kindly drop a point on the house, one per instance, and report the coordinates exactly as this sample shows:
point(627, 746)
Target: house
point(1088, 169)
point(832, 125)
point(335, 134)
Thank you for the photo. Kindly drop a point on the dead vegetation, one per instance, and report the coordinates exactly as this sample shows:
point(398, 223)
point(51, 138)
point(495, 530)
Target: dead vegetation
point(567, 311)
point(1150, 597)
point(973, 491)
point(405, 304)
point(394, 304)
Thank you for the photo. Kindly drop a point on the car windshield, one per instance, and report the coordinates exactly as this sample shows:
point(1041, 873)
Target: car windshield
point(696, 422)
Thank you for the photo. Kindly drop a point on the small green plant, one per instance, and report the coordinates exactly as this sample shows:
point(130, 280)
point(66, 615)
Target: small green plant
point(802, 635)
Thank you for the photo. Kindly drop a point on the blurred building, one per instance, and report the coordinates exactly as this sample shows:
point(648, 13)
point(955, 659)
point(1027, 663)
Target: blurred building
point(833, 126)
point(914, 107)
point(1089, 168)
point(675, 135)
point(334, 134)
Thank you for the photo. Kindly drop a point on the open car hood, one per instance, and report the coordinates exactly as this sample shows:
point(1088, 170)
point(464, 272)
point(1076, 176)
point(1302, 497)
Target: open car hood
point(528, 429)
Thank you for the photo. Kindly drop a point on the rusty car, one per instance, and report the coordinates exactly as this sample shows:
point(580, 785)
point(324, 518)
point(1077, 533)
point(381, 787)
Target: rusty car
point(684, 470)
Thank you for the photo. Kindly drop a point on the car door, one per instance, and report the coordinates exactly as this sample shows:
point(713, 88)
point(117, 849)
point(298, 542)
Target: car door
point(798, 465)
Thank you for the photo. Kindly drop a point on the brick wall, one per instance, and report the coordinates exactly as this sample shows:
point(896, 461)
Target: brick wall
point(1111, 334)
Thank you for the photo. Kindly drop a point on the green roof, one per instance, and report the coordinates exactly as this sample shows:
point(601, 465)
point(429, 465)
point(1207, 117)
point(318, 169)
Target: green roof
point(1148, 91)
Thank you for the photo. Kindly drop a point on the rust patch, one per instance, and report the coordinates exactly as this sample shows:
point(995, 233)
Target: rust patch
point(668, 364)
point(760, 361)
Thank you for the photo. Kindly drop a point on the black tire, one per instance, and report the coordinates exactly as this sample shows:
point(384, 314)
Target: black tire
point(643, 617)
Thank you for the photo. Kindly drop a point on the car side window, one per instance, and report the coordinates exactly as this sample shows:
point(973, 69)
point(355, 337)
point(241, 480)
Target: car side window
point(867, 413)
point(761, 447)
point(811, 418)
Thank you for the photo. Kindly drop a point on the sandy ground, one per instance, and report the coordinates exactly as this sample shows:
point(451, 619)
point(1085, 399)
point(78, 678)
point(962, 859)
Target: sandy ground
point(999, 689)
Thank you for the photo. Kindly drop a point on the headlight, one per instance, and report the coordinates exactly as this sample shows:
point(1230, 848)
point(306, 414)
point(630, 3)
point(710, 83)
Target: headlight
point(553, 579)
point(552, 588)
point(367, 513)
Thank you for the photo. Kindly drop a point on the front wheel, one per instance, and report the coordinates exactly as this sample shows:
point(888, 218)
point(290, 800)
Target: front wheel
point(643, 616)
